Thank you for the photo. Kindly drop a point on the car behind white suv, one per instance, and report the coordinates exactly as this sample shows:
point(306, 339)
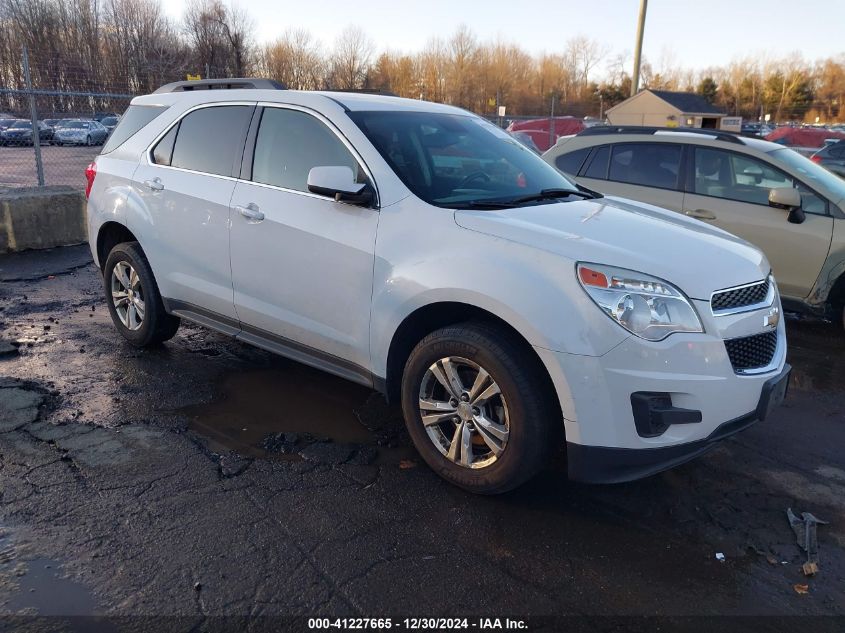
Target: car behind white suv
point(420, 250)
point(770, 195)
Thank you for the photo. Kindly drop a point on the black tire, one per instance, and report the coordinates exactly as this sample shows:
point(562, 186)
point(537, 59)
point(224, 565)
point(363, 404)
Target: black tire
point(536, 425)
point(157, 325)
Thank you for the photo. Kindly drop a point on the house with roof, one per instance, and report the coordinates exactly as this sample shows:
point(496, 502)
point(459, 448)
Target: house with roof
point(666, 108)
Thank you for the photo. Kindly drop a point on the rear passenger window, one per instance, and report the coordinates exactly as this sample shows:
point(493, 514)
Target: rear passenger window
point(598, 164)
point(571, 162)
point(209, 139)
point(646, 164)
point(163, 151)
point(290, 143)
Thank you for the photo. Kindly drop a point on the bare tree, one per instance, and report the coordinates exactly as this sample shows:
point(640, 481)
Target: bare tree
point(350, 59)
point(296, 60)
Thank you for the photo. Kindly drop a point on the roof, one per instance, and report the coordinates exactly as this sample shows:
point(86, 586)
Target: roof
point(686, 102)
point(696, 136)
point(347, 100)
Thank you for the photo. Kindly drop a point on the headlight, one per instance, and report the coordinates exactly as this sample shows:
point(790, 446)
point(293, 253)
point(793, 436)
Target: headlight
point(643, 305)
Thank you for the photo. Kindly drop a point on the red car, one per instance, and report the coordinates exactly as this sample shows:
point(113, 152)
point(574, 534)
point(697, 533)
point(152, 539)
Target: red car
point(538, 129)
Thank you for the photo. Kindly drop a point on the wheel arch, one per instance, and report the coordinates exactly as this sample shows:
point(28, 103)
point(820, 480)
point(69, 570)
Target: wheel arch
point(111, 234)
point(433, 316)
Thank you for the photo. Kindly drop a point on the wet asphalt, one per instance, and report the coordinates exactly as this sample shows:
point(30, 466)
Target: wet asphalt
point(206, 477)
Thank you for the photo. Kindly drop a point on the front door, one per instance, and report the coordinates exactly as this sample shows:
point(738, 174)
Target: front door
point(302, 264)
point(731, 190)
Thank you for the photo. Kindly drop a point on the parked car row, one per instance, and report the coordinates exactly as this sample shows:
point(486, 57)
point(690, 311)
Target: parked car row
point(57, 131)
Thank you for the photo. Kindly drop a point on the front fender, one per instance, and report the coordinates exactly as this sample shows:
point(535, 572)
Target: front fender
point(424, 257)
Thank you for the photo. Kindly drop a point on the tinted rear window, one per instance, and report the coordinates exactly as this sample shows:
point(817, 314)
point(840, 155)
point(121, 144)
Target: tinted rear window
point(646, 164)
point(570, 163)
point(135, 118)
point(210, 138)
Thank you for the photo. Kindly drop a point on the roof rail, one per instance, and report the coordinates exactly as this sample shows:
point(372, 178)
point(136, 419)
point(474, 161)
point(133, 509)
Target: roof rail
point(221, 84)
point(364, 91)
point(719, 135)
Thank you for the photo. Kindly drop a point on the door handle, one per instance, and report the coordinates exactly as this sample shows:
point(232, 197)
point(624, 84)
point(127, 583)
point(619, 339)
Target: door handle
point(154, 184)
point(251, 212)
point(701, 214)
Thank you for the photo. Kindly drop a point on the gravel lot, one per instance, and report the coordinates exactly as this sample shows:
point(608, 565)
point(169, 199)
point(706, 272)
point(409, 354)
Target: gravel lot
point(140, 483)
point(62, 165)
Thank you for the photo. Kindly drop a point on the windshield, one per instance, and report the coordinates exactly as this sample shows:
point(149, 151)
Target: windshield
point(109, 120)
point(22, 124)
point(813, 175)
point(75, 125)
point(454, 160)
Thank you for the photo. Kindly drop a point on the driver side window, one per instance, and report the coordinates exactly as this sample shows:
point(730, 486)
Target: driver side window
point(742, 178)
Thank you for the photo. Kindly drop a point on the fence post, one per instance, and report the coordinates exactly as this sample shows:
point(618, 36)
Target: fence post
point(36, 132)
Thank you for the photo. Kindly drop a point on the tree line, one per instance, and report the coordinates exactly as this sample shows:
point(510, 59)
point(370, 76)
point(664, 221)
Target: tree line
point(133, 47)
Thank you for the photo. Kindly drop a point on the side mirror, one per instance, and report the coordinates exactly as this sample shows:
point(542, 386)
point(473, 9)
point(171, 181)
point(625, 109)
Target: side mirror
point(788, 199)
point(339, 183)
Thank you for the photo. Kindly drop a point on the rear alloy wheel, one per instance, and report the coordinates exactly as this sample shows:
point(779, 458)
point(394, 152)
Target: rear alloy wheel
point(127, 295)
point(479, 407)
point(133, 298)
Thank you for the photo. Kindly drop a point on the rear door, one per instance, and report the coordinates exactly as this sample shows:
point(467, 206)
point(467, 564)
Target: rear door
point(185, 186)
point(646, 172)
point(731, 190)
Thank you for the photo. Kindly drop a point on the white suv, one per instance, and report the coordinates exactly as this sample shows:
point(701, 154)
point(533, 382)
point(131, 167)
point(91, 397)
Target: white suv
point(420, 250)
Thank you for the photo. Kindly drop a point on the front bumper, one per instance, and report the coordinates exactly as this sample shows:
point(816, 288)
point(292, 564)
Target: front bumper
point(600, 464)
point(690, 376)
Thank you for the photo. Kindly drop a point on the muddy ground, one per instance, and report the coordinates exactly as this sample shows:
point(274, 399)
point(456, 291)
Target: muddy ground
point(209, 478)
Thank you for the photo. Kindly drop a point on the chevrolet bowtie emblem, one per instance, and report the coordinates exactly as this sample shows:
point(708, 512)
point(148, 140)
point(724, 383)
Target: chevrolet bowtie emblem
point(772, 319)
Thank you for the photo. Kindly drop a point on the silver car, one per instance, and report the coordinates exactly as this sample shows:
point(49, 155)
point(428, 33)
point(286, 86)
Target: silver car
point(80, 132)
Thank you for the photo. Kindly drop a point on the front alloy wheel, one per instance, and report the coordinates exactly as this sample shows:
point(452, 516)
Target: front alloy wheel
point(479, 406)
point(464, 412)
point(127, 295)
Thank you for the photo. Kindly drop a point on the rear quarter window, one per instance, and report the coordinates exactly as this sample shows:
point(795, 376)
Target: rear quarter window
point(570, 163)
point(135, 118)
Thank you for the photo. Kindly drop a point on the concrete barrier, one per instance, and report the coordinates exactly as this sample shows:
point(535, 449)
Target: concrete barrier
point(41, 217)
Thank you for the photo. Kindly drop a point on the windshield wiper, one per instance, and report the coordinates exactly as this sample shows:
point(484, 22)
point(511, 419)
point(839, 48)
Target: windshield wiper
point(545, 194)
point(551, 194)
point(481, 204)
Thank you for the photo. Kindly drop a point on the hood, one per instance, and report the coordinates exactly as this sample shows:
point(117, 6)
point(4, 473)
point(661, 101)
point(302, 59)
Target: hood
point(692, 255)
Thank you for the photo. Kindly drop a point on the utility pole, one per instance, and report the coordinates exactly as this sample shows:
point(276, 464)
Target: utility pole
point(552, 122)
point(33, 115)
point(638, 49)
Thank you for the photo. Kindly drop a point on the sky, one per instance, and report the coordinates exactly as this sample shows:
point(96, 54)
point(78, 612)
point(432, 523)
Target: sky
point(693, 34)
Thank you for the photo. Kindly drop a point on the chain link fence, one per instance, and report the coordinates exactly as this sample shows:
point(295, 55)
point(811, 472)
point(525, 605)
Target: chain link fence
point(50, 132)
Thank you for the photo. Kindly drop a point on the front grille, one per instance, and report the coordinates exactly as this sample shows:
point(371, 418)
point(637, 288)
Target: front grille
point(740, 297)
point(752, 352)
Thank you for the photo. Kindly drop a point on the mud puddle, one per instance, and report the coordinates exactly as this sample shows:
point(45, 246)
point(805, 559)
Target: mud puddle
point(37, 586)
point(292, 399)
